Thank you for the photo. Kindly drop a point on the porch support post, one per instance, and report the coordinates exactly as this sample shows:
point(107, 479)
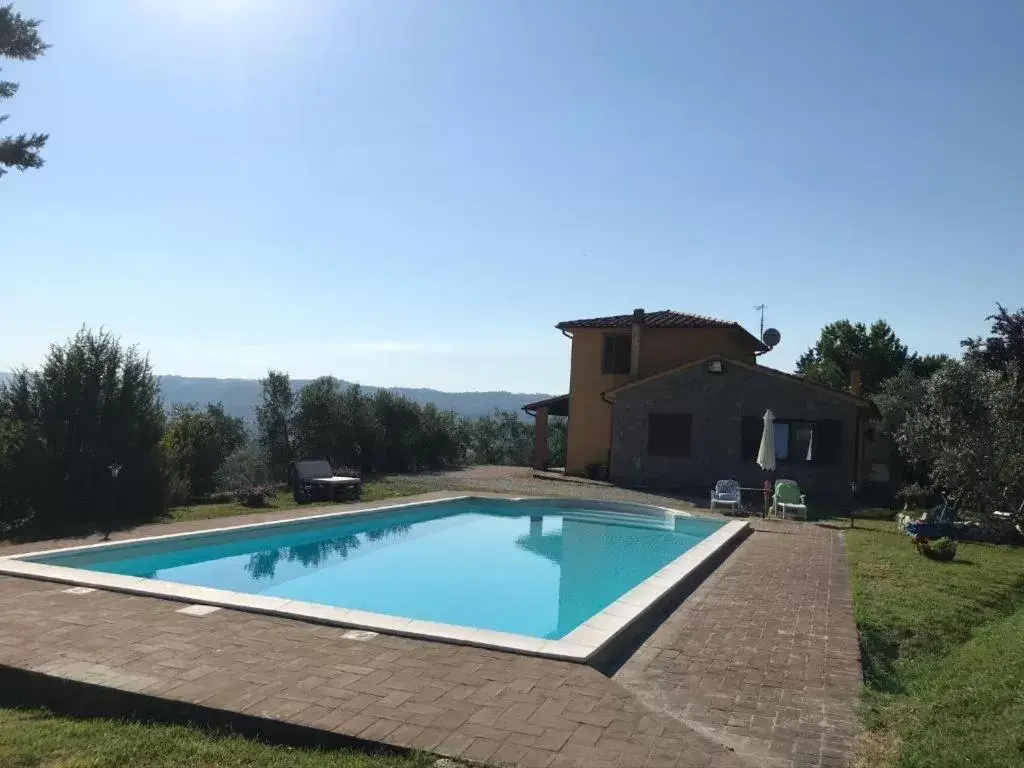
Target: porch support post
point(540, 439)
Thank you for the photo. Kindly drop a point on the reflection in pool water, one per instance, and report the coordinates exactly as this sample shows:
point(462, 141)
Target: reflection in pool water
point(314, 554)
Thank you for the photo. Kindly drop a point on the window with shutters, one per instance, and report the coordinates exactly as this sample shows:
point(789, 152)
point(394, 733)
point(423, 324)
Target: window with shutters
point(618, 349)
point(669, 434)
point(796, 441)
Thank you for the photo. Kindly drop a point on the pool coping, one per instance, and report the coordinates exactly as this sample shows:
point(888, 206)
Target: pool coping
point(584, 644)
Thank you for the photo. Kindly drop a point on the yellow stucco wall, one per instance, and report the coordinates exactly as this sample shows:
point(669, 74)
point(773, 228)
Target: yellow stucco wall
point(661, 349)
point(590, 417)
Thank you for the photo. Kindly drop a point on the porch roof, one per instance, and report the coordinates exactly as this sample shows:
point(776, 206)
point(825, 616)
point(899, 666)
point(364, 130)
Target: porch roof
point(557, 406)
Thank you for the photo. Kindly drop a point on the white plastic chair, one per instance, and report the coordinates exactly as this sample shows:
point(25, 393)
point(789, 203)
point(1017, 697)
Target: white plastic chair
point(726, 494)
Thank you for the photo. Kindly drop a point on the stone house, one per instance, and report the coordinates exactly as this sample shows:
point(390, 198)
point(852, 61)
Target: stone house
point(676, 401)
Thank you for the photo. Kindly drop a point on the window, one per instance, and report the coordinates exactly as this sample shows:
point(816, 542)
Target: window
point(618, 349)
point(781, 441)
point(796, 442)
point(801, 441)
point(669, 434)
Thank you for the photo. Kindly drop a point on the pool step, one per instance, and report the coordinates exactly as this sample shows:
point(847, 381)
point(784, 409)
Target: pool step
point(620, 518)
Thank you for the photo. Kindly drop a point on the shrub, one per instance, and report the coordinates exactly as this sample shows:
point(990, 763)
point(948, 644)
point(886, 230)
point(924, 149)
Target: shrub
point(179, 490)
point(254, 495)
point(246, 467)
point(246, 476)
point(943, 549)
point(914, 495)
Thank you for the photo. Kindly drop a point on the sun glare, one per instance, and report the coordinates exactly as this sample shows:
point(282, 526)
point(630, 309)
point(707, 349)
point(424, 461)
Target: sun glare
point(217, 15)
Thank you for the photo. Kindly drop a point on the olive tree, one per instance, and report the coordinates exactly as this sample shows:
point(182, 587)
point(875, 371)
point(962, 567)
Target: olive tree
point(197, 442)
point(273, 419)
point(969, 429)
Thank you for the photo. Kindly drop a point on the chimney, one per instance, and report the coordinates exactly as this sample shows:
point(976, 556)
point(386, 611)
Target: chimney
point(634, 350)
point(855, 385)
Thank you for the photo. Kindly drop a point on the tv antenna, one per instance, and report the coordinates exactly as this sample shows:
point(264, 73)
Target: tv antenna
point(770, 337)
point(761, 308)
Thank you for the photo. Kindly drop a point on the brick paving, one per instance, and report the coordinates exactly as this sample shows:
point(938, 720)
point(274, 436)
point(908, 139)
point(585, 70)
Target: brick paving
point(763, 656)
point(758, 667)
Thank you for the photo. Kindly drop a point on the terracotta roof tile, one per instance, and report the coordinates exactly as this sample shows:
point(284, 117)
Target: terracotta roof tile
point(665, 318)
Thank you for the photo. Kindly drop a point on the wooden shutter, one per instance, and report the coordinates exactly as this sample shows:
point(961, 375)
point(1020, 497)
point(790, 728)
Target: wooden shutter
point(618, 349)
point(669, 434)
point(828, 442)
point(750, 437)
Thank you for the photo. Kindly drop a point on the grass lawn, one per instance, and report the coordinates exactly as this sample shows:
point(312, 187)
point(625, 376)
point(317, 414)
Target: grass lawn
point(373, 490)
point(943, 651)
point(35, 738)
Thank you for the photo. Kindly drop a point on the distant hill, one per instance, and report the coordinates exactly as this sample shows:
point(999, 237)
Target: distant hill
point(240, 395)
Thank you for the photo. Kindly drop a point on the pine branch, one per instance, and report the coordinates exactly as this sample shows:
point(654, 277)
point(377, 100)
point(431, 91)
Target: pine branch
point(22, 152)
point(19, 40)
point(19, 37)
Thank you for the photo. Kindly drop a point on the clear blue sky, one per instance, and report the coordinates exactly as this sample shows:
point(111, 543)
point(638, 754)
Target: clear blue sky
point(414, 193)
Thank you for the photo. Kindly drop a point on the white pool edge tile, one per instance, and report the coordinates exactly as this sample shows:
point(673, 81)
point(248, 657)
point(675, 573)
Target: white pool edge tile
point(606, 625)
point(580, 645)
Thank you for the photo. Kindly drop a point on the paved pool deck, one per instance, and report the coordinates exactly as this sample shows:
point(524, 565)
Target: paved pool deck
point(757, 667)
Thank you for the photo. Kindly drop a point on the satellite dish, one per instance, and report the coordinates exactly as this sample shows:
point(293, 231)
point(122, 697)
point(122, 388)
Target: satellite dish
point(771, 337)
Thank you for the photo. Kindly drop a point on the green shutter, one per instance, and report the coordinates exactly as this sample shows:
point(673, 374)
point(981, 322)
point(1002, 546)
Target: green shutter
point(828, 442)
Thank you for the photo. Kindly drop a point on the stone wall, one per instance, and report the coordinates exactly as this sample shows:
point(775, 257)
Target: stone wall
point(718, 403)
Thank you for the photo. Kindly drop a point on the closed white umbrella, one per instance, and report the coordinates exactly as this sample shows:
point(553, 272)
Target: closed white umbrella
point(766, 454)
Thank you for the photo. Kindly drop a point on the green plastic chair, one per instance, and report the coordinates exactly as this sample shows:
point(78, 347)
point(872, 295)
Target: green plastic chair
point(788, 499)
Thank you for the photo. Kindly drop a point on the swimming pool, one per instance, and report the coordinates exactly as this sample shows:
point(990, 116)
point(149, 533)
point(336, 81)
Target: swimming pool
point(551, 576)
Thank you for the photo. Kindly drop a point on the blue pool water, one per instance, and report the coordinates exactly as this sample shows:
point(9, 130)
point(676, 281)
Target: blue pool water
point(537, 568)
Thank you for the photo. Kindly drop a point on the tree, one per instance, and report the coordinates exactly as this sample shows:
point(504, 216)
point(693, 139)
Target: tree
point(924, 366)
point(273, 415)
point(440, 441)
point(319, 427)
point(198, 441)
point(898, 399)
point(20, 41)
point(558, 435)
point(502, 438)
point(969, 428)
point(1004, 346)
point(15, 488)
point(383, 432)
point(367, 432)
point(92, 405)
point(400, 431)
point(878, 349)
